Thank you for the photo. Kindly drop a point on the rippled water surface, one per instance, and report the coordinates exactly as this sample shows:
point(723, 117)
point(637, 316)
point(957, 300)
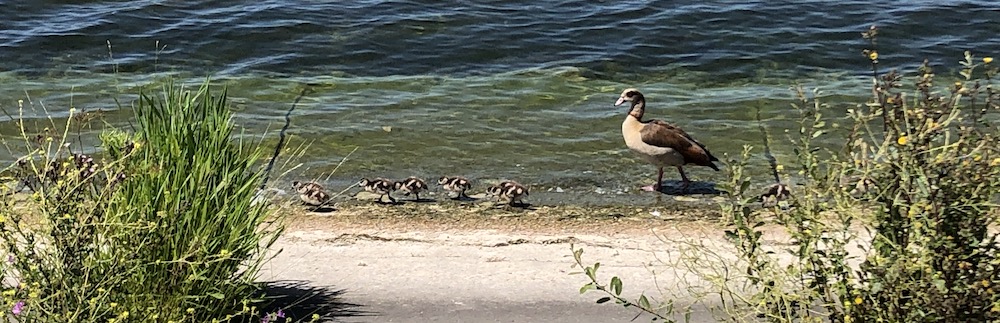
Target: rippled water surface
point(493, 89)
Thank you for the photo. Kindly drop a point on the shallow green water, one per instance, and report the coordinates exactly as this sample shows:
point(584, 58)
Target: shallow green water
point(490, 89)
point(548, 127)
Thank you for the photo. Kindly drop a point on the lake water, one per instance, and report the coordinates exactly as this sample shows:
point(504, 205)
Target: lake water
point(486, 89)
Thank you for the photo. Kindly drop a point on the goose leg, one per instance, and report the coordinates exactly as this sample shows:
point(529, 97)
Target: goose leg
point(389, 195)
point(684, 179)
point(655, 187)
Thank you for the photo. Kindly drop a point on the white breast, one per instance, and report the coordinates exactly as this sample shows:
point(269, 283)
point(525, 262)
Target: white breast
point(659, 156)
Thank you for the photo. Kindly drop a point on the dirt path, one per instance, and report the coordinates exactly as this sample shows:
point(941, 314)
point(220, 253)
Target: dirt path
point(429, 263)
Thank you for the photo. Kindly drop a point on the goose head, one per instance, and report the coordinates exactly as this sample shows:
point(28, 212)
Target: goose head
point(630, 95)
point(364, 182)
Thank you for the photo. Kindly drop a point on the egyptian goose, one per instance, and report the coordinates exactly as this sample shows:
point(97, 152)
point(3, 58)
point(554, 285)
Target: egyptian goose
point(511, 191)
point(380, 186)
point(411, 185)
point(455, 184)
point(660, 143)
point(311, 193)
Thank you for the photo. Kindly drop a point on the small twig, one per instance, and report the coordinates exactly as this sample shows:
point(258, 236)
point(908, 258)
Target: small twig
point(342, 162)
point(281, 138)
point(591, 273)
point(767, 148)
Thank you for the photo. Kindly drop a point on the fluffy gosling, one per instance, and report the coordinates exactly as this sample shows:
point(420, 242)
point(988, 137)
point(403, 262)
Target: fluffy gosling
point(456, 184)
point(411, 185)
point(511, 191)
point(311, 193)
point(380, 186)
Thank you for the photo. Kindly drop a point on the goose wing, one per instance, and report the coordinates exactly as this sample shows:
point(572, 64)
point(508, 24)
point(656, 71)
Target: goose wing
point(662, 134)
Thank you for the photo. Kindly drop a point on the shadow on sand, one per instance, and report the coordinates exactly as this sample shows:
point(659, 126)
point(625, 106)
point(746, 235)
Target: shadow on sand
point(695, 188)
point(299, 300)
point(321, 209)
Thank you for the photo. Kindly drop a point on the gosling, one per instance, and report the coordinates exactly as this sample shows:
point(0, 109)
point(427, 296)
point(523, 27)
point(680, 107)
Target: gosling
point(381, 186)
point(411, 185)
point(513, 192)
point(456, 184)
point(311, 193)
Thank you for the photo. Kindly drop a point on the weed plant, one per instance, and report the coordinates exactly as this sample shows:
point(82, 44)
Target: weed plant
point(892, 227)
point(162, 226)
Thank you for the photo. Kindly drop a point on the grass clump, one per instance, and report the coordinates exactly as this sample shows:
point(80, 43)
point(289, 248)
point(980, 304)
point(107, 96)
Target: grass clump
point(894, 226)
point(162, 226)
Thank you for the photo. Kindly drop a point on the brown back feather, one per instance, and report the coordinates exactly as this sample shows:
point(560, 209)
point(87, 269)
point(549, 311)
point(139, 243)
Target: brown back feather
point(661, 134)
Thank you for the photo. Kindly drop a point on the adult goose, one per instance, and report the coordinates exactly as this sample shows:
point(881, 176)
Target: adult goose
point(660, 143)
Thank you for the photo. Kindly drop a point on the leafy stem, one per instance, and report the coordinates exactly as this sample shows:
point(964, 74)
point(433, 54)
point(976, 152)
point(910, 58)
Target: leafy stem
point(613, 290)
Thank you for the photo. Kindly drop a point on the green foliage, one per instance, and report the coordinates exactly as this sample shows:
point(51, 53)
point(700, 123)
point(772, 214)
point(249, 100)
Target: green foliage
point(894, 226)
point(613, 290)
point(925, 170)
point(165, 227)
point(934, 181)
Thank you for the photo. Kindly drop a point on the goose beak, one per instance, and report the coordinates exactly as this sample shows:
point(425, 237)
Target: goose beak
point(620, 101)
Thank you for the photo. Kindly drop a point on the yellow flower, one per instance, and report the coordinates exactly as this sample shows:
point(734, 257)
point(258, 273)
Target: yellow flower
point(315, 317)
point(223, 253)
point(995, 162)
point(902, 140)
point(780, 168)
point(112, 304)
point(858, 300)
point(987, 59)
point(873, 55)
point(986, 283)
point(190, 310)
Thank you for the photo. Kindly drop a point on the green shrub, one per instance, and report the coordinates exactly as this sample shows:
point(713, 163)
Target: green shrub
point(163, 228)
point(914, 188)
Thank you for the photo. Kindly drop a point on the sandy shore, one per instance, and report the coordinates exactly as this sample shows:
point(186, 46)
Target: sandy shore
point(468, 263)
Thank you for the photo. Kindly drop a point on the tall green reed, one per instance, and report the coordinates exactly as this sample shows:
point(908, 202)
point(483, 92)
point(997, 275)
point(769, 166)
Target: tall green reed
point(164, 226)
